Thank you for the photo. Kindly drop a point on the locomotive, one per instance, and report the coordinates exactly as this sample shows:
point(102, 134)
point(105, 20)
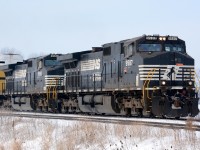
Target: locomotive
point(149, 75)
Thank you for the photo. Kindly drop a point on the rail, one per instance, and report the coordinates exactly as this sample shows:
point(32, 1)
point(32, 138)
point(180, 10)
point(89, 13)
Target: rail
point(187, 124)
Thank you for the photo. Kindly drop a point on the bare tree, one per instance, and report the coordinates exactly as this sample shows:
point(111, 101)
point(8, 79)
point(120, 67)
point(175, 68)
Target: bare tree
point(7, 50)
point(10, 55)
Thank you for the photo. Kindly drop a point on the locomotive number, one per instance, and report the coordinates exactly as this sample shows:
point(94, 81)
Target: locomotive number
point(53, 55)
point(129, 63)
point(172, 38)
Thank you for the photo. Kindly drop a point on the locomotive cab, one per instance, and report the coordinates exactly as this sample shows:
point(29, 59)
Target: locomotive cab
point(166, 72)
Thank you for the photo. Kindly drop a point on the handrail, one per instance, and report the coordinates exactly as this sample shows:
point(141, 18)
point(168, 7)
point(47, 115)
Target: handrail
point(48, 89)
point(54, 89)
point(149, 82)
point(48, 92)
point(151, 72)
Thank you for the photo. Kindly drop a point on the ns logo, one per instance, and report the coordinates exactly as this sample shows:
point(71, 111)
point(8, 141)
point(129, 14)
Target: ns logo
point(171, 73)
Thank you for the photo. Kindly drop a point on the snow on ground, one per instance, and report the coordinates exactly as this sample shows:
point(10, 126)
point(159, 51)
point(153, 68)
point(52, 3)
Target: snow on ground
point(43, 134)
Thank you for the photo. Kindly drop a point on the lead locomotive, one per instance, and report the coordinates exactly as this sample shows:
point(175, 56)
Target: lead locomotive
point(143, 76)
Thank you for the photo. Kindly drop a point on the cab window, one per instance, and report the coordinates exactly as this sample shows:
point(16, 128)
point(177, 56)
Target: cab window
point(128, 51)
point(174, 48)
point(52, 63)
point(149, 47)
point(40, 64)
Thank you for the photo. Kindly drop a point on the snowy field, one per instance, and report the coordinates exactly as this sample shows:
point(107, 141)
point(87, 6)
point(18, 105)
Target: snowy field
point(42, 134)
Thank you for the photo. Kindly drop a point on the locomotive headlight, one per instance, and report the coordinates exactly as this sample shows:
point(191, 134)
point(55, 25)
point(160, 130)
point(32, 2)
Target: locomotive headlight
point(162, 38)
point(189, 82)
point(163, 83)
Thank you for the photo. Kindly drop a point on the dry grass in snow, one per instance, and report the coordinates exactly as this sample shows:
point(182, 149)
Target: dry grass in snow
point(42, 134)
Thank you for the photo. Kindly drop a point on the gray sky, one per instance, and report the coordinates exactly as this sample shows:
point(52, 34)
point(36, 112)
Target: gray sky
point(63, 26)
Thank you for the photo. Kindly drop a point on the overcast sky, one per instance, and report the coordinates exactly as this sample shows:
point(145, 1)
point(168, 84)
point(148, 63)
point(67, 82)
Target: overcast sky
point(63, 26)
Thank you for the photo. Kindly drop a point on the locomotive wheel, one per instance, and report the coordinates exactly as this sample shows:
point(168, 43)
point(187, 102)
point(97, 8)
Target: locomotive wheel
point(128, 112)
point(140, 114)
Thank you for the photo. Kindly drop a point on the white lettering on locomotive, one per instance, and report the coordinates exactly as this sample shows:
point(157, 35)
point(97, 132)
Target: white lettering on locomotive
point(93, 64)
point(20, 73)
point(172, 38)
point(151, 38)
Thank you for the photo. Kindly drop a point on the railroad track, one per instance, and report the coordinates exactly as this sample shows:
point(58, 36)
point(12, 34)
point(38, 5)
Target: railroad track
point(189, 124)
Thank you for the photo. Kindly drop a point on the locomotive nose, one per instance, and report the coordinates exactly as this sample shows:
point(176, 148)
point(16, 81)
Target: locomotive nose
point(168, 58)
point(177, 58)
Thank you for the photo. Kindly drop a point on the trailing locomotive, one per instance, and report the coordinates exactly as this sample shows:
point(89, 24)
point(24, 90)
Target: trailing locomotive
point(143, 76)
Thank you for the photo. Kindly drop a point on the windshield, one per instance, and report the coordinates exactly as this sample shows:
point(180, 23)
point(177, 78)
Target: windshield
point(52, 63)
point(174, 48)
point(149, 47)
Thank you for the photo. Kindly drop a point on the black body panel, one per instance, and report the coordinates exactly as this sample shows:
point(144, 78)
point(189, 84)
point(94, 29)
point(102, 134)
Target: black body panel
point(167, 58)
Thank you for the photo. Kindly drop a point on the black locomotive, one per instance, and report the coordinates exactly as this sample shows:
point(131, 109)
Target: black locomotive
point(143, 76)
